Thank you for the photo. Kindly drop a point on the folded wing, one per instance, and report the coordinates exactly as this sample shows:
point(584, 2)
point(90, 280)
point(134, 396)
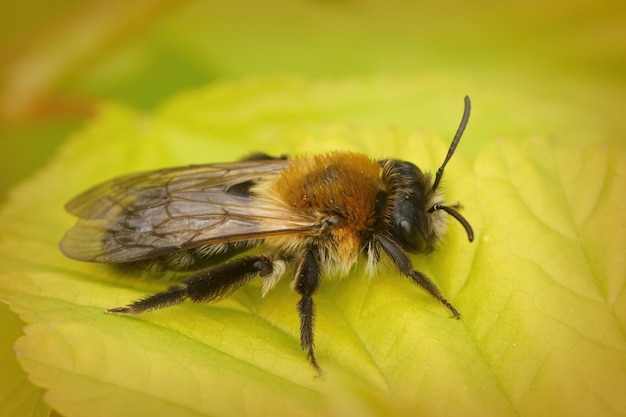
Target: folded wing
point(146, 215)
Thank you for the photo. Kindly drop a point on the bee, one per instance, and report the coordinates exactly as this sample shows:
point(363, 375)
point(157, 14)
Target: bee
point(308, 214)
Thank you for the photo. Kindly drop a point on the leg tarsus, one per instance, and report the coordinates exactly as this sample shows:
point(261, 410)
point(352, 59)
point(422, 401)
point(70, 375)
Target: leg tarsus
point(424, 282)
point(204, 286)
point(306, 312)
point(173, 295)
point(306, 283)
point(404, 265)
point(455, 312)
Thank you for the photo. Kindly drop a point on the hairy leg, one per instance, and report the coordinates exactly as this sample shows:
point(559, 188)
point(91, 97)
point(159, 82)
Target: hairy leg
point(208, 285)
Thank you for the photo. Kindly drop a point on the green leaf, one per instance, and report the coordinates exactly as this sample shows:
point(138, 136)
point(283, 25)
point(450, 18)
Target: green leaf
point(541, 290)
point(18, 396)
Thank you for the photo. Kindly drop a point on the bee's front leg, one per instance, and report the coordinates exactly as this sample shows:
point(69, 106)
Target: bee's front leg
point(404, 265)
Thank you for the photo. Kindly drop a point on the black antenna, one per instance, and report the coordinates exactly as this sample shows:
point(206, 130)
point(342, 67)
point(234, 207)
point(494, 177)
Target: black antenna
point(455, 141)
point(452, 212)
point(457, 137)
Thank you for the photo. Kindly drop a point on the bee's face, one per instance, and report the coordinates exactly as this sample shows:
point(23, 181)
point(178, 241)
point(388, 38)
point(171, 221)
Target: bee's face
point(409, 218)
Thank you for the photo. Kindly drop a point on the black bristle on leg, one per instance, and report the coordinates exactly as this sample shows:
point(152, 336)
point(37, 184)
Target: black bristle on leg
point(306, 311)
point(205, 286)
point(173, 295)
point(306, 283)
point(404, 265)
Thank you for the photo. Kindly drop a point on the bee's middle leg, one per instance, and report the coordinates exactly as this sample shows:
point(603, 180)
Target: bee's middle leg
point(306, 282)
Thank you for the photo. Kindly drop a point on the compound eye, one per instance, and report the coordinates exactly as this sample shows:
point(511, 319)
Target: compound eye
point(412, 235)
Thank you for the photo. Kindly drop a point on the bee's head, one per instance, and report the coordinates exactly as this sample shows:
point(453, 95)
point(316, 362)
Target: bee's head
point(415, 215)
point(415, 211)
point(407, 218)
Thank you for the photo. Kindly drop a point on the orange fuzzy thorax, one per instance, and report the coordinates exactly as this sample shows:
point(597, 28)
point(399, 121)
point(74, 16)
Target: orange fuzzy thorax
point(341, 186)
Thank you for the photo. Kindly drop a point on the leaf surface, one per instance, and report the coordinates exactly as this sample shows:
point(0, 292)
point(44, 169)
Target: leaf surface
point(541, 290)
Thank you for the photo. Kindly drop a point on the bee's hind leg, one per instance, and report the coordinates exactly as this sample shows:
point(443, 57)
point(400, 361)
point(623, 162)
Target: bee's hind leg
point(210, 284)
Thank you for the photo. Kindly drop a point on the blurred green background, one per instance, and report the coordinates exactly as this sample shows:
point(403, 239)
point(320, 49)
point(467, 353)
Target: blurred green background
point(550, 68)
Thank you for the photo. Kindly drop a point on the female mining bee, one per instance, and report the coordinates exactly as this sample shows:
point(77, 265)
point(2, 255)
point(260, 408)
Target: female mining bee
point(311, 214)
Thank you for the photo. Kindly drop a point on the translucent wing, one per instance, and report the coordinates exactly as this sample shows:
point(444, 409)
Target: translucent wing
point(146, 215)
